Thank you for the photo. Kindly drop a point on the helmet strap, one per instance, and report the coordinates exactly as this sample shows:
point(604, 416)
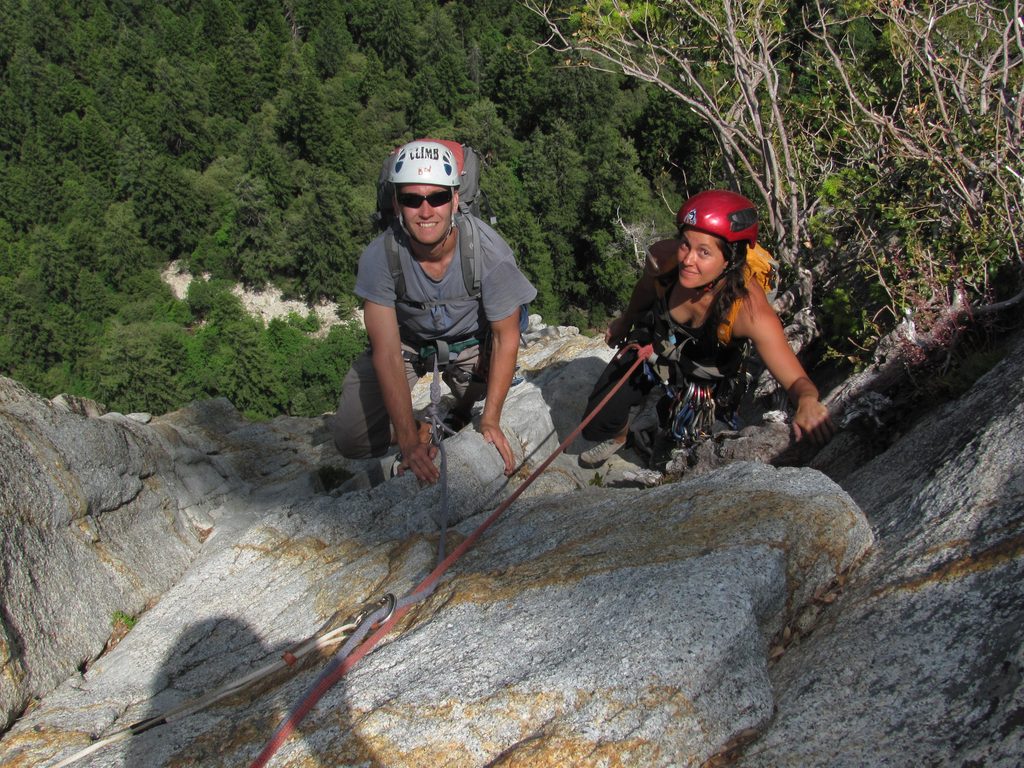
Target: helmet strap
point(709, 287)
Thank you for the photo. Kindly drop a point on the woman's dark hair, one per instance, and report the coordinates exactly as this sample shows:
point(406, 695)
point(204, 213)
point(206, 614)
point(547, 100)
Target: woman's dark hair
point(734, 277)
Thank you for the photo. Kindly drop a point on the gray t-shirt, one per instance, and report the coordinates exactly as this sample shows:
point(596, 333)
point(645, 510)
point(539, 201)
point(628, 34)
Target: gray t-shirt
point(503, 288)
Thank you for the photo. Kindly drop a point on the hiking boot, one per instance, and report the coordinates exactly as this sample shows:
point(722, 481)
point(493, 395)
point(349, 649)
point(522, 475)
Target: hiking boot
point(644, 441)
point(600, 453)
point(662, 448)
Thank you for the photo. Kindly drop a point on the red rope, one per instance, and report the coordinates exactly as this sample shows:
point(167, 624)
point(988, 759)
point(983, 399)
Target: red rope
point(430, 581)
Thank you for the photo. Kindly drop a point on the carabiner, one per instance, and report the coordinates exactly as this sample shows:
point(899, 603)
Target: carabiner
point(390, 601)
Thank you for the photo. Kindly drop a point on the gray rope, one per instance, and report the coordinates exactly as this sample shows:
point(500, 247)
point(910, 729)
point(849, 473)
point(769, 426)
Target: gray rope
point(437, 434)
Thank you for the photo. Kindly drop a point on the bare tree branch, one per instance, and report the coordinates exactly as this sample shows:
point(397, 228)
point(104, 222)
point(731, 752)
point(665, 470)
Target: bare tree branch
point(918, 107)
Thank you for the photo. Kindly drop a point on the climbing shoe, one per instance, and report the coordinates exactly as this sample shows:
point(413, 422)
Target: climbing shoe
point(600, 453)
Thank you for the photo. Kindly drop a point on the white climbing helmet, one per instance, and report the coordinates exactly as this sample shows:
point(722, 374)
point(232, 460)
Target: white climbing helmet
point(424, 162)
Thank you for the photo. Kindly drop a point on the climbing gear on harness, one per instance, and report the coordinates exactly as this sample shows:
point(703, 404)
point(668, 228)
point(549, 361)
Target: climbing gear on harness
point(435, 348)
point(689, 404)
point(439, 350)
point(691, 412)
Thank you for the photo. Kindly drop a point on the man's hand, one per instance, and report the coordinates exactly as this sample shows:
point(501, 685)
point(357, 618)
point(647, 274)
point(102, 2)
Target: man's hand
point(494, 436)
point(504, 349)
point(418, 455)
point(382, 328)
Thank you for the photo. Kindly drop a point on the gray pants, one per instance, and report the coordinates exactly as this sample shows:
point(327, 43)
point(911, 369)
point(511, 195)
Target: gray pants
point(361, 426)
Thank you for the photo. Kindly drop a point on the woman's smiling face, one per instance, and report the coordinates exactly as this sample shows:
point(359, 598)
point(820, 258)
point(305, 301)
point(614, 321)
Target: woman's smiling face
point(701, 260)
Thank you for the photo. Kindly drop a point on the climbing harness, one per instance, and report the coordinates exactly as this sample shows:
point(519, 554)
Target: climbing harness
point(379, 616)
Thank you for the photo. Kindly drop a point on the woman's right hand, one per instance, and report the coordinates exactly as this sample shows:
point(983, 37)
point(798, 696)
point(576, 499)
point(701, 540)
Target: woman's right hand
point(618, 330)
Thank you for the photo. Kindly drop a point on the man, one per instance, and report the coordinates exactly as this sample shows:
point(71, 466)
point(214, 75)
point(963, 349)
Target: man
point(475, 338)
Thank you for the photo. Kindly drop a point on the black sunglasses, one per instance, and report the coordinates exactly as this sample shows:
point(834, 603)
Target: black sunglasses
point(434, 199)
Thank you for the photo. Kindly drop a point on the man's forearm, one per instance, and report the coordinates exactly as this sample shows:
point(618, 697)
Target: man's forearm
point(390, 369)
point(504, 352)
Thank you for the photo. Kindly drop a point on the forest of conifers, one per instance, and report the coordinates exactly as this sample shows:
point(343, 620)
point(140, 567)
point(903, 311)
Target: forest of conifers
point(244, 139)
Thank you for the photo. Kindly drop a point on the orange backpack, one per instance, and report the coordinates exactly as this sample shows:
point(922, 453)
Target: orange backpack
point(761, 269)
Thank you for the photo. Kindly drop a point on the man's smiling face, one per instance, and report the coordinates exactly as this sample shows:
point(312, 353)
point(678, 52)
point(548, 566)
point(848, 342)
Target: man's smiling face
point(426, 211)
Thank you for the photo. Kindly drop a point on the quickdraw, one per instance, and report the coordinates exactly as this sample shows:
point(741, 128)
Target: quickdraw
point(389, 601)
point(692, 413)
point(691, 407)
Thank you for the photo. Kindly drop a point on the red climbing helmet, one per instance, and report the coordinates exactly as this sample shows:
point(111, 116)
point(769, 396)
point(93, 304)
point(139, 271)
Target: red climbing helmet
point(729, 215)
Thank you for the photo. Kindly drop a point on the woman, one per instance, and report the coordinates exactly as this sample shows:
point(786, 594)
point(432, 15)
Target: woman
point(697, 304)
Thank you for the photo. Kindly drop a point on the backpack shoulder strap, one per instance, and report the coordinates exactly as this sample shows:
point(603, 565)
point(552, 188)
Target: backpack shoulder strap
point(395, 264)
point(469, 244)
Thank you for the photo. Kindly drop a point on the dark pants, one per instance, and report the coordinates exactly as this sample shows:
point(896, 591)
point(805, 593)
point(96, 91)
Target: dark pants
point(614, 417)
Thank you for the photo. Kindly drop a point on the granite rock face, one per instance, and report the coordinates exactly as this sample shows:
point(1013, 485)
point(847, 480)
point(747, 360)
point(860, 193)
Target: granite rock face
point(764, 614)
point(102, 513)
point(921, 659)
point(93, 515)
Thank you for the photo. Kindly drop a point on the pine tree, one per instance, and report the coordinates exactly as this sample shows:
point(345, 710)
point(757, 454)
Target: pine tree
point(257, 232)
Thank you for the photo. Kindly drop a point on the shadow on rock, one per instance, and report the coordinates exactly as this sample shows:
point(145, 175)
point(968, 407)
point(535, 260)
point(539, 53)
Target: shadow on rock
point(565, 388)
point(211, 657)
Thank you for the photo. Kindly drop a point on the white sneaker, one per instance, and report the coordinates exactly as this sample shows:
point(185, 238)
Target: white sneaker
point(396, 468)
point(600, 453)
